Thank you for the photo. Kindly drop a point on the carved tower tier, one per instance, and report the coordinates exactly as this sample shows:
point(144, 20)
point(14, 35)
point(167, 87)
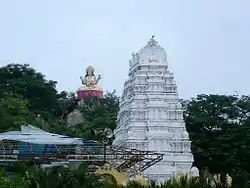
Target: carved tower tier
point(151, 116)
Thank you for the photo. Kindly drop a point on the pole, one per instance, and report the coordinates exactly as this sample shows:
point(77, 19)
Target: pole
point(105, 145)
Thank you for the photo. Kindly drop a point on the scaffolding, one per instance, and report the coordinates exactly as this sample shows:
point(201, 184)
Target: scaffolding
point(91, 152)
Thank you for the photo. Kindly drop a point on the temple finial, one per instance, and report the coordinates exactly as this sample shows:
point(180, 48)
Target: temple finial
point(152, 41)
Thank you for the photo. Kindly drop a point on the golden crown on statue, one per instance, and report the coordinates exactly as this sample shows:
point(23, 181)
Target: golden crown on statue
point(90, 69)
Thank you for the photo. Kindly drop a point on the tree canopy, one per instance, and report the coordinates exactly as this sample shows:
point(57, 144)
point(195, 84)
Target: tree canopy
point(219, 131)
point(31, 85)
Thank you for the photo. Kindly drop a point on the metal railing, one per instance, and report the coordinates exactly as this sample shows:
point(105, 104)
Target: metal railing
point(93, 152)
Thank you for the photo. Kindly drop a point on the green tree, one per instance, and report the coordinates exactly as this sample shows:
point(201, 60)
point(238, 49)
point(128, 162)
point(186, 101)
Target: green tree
point(32, 85)
point(218, 126)
point(235, 149)
point(13, 111)
point(98, 113)
point(66, 103)
point(206, 117)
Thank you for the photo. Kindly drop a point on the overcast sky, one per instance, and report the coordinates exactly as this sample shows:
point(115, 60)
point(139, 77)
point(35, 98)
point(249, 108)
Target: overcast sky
point(207, 41)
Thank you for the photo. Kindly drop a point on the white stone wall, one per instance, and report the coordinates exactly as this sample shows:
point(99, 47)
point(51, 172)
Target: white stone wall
point(151, 116)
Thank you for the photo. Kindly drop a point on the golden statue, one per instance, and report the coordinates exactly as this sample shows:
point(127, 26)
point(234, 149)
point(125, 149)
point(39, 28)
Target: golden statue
point(90, 83)
point(121, 178)
point(140, 179)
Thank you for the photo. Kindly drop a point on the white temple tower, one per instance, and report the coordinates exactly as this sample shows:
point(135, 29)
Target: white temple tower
point(151, 116)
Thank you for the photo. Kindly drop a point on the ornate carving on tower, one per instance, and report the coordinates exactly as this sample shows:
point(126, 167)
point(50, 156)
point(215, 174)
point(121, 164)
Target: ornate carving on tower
point(150, 109)
point(151, 53)
point(153, 58)
point(90, 82)
point(152, 41)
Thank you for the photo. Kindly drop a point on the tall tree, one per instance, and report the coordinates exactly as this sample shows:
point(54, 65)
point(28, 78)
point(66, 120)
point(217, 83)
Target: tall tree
point(218, 127)
point(98, 113)
point(206, 117)
point(32, 85)
point(104, 109)
point(66, 103)
point(13, 111)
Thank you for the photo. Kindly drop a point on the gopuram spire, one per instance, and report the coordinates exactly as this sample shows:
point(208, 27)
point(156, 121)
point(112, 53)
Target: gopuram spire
point(151, 117)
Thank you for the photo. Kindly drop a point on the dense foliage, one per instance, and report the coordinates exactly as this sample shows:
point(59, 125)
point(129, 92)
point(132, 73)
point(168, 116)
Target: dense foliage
point(59, 177)
point(219, 131)
point(218, 124)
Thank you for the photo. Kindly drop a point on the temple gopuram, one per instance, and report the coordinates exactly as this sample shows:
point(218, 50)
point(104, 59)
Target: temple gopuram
point(151, 115)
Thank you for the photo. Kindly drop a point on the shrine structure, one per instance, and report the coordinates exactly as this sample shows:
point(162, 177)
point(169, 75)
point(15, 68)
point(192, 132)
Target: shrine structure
point(151, 115)
point(90, 83)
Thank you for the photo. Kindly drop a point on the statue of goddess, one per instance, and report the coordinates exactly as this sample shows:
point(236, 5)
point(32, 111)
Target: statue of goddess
point(90, 83)
point(90, 79)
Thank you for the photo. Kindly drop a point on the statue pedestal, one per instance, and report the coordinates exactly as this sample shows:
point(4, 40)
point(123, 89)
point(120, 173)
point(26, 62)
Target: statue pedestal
point(85, 93)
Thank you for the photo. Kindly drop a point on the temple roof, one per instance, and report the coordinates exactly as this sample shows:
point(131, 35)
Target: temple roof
point(152, 44)
point(151, 52)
